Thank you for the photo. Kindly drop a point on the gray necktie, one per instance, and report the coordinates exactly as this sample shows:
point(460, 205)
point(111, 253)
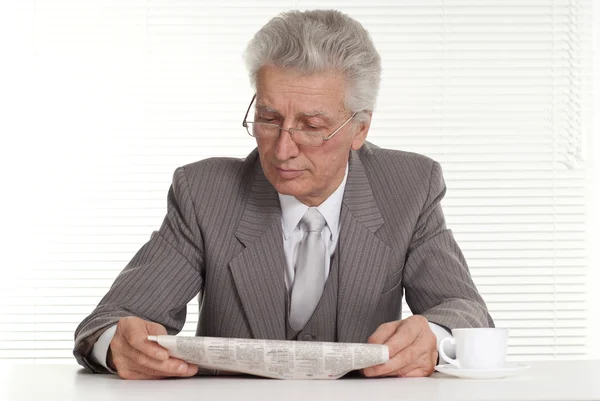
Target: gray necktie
point(309, 279)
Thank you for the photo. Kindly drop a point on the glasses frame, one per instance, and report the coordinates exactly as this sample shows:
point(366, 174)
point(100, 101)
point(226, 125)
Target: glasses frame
point(292, 130)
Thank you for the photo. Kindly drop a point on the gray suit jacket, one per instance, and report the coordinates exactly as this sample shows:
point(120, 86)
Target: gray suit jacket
point(222, 238)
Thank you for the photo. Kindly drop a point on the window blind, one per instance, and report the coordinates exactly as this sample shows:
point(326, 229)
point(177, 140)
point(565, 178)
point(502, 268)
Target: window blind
point(117, 94)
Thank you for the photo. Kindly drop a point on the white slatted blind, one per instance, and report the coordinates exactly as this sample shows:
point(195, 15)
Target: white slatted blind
point(107, 98)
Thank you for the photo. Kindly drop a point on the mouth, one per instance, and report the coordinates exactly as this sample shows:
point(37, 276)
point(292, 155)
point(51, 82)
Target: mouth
point(288, 173)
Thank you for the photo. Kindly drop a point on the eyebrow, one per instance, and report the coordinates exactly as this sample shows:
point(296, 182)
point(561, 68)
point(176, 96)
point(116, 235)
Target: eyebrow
point(267, 108)
point(314, 113)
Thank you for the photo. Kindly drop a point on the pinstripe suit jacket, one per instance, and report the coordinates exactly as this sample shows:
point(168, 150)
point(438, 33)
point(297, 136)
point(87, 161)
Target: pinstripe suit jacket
point(222, 238)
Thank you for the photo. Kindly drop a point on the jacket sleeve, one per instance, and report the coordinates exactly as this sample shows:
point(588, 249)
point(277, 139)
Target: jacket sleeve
point(436, 277)
point(156, 285)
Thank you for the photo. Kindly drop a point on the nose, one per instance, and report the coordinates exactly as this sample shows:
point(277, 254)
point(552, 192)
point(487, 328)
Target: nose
point(285, 147)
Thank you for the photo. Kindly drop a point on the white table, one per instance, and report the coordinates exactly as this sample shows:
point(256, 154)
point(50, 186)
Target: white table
point(570, 380)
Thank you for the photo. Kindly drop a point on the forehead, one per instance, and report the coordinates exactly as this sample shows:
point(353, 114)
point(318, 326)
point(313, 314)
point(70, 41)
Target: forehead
point(314, 112)
point(288, 91)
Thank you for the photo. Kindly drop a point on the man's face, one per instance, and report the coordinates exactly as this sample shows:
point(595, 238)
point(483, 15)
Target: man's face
point(291, 100)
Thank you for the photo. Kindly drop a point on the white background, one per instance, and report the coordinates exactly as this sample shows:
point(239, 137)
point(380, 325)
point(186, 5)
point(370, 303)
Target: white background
point(101, 101)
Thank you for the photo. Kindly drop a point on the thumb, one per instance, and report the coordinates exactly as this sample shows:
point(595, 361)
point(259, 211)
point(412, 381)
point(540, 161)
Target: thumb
point(155, 329)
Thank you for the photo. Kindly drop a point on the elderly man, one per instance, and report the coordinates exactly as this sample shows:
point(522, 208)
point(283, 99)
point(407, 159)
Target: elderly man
point(315, 235)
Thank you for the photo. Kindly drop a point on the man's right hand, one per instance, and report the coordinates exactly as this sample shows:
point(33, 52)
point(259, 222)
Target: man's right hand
point(134, 357)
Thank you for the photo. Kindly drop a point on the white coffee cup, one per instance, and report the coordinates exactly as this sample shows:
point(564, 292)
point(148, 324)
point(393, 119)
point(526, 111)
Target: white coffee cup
point(477, 348)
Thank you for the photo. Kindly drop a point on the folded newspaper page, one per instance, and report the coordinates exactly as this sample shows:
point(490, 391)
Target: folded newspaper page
point(273, 358)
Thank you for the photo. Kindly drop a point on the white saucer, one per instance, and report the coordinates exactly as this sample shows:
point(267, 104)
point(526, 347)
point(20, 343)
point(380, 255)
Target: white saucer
point(509, 369)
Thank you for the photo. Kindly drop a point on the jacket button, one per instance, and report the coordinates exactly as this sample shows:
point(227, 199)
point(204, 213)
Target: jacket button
point(307, 337)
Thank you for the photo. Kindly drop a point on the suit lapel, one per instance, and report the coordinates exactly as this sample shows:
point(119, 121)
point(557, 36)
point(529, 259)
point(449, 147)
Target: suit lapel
point(258, 271)
point(364, 258)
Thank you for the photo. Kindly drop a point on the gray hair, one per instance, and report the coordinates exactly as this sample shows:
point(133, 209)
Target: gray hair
point(319, 41)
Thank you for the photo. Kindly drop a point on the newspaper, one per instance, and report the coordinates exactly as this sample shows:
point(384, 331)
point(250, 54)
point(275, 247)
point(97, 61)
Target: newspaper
point(274, 358)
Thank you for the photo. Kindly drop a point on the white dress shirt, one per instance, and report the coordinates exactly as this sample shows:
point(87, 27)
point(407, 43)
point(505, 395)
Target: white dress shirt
point(292, 211)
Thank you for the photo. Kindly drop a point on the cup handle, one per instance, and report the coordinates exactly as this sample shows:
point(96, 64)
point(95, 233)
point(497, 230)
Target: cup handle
point(443, 354)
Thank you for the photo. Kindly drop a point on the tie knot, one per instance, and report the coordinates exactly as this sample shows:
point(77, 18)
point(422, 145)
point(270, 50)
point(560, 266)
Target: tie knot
point(313, 220)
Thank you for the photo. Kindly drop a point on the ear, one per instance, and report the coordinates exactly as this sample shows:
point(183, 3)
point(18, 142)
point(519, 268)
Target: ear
point(361, 135)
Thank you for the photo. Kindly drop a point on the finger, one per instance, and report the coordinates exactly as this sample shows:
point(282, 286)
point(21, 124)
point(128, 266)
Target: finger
point(121, 349)
point(404, 337)
point(424, 363)
point(165, 368)
point(141, 362)
point(155, 329)
point(423, 346)
point(400, 360)
point(398, 341)
point(128, 374)
point(383, 333)
point(416, 369)
point(139, 341)
point(391, 374)
point(419, 372)
point(401, 340)
point(188, 370)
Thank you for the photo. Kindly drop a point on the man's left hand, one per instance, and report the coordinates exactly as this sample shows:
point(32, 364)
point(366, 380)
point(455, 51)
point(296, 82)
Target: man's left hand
point(412, 346)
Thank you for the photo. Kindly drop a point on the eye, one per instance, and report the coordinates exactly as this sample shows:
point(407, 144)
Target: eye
point(267, 119)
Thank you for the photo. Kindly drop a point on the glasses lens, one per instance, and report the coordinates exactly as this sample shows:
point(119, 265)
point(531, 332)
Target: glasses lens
point(262, 130)
point(265, 130)
point(307, 138)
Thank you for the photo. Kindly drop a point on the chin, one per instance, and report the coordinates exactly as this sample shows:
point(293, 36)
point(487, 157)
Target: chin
point(296, 187)
point(288, 188)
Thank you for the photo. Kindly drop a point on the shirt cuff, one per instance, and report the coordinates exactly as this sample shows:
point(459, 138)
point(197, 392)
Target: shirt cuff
point(441, 333)
point(100, 349)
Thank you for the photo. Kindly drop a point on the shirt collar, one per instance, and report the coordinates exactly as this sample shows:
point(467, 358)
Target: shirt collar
point(292, 210)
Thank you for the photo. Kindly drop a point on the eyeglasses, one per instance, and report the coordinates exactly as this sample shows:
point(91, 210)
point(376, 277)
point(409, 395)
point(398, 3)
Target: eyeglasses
point(264, 130)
